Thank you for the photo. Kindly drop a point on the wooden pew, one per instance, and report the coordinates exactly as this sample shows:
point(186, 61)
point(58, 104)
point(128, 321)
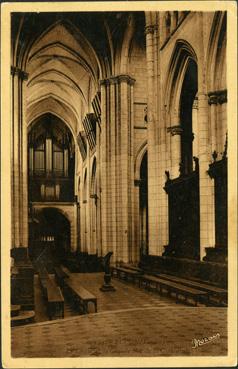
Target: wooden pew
point(212, 291)
point(126, 274)
point(131, 267)
point(81, 296)
point(55, 300)
point(60, 275)
point(44, 277)
point(52, 295)
point(173, 287)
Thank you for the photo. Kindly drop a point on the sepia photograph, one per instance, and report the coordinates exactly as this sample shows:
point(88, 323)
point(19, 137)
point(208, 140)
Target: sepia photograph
point(121, 217)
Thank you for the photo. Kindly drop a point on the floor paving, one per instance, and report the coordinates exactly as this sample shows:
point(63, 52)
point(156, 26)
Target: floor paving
point(130, 322)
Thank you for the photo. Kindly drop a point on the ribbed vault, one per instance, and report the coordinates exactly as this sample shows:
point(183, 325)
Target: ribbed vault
point(66, 55)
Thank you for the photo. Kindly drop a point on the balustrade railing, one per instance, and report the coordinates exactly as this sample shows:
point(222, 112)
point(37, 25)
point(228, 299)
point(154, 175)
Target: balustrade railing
point(51, 189)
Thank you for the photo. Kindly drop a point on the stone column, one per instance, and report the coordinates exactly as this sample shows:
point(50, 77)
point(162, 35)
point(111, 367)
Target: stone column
point(132, 244)
point(103, 163)
point(88, 225)
point(152, 159)
point(24, 230)
point(207, 226)
point(137, 240)
point(175, 132)
point(113, 219)
point(212, 101)
point(115, 166)
point(73, 229)
point(15, 158)
point(161, 224)
point(195, 129)
point(173, 21)
point(206, 185)
point(19, 160)
point(222, 100)
point(157, 201)
point(162, 28)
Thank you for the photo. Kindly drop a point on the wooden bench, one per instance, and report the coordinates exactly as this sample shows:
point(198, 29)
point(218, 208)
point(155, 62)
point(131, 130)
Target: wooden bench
point(126, 274)
point(52, 294)
point(131, 267)
point(170, 286)
point(60, 276)
point(44, 278)
point(55, 300)
point(80, 295)
point(212, 291)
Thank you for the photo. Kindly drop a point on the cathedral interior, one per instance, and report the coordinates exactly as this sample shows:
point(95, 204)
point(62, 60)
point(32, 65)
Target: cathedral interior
point(118, 183)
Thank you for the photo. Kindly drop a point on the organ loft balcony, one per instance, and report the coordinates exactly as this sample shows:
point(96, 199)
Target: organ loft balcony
point(51, 161)
point(51, 188)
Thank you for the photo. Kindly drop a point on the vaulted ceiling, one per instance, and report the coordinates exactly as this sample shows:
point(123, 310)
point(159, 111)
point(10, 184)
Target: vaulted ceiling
point(66, 55)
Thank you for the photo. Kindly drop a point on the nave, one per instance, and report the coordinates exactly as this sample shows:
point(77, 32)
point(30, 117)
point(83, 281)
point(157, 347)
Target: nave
point(129, 322)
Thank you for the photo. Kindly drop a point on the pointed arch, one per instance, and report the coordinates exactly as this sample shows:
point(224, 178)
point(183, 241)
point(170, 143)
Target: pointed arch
point(216, 52)
point(182, 55)
point(139, 157)
point(66, 115)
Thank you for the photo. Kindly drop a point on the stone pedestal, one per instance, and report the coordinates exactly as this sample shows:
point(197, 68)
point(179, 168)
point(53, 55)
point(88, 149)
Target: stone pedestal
point(216, 254)
point(107, 287)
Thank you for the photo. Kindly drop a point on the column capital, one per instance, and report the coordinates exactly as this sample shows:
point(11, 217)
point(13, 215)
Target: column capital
point(217, 97)
point(212, 98)
point(20, 73)
point(113, 80)
point(222, 96)
point(117, 79)
point(15, 71)
point(126, 78)
point(195, 103)
point(149, 29)
point(175, 130)
point(23, 75)
point(104, 82)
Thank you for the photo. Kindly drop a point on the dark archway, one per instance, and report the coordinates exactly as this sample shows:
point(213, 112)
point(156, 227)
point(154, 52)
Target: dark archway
point(183, 192)
point(50, 237)
point(188, 93)
point(144, 206)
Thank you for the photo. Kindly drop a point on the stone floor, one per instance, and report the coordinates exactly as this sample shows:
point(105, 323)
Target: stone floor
point(130, 322)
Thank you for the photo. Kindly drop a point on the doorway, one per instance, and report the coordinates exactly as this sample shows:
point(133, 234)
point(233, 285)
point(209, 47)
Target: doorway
point(50, 239)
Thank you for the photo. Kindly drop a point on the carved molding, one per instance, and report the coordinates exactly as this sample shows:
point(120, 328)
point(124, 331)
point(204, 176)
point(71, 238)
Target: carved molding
point(118, 79)
point(126, 78)
point(149, 29)
point(217, 97)
point(195, 103)
point(175, 130)
point(20, 73)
